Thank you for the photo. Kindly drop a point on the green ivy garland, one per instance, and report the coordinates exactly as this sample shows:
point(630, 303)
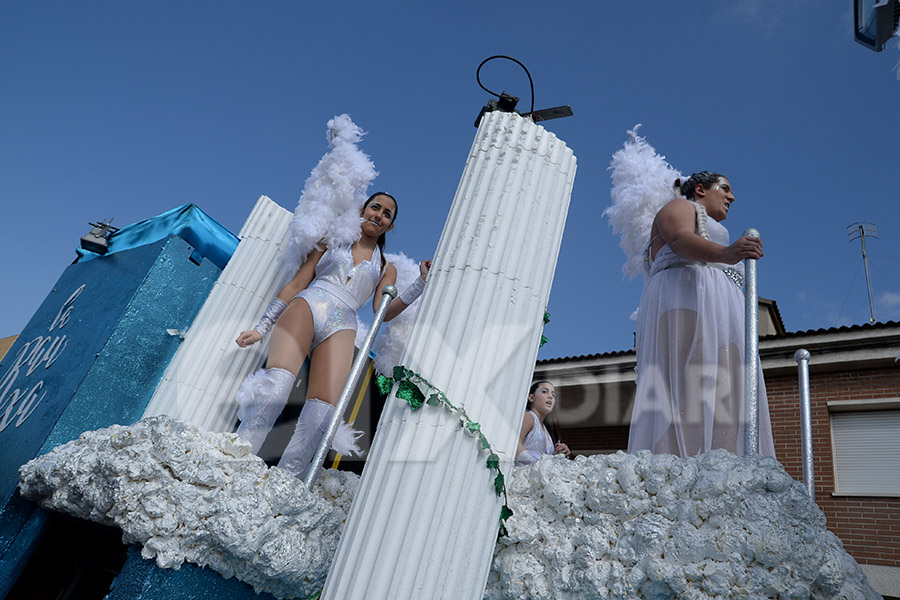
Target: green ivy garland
point(409, 389)
point(544, 339)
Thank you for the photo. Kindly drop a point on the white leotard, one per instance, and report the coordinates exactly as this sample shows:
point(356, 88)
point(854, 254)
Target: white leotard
point(339, 289)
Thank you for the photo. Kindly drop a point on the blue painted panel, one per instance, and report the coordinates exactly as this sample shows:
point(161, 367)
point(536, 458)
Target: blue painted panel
point(97, 363)
point(120, 383)
point(141, 579)
point(45, 366)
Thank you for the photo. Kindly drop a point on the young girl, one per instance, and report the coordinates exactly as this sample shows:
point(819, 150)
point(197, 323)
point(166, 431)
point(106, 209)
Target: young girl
point(535, 440)
point(315, 315)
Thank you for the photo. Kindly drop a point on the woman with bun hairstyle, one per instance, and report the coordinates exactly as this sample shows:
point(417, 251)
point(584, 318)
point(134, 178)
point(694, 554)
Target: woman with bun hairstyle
point(537, 433)
point(315, 315)
point(690, 328)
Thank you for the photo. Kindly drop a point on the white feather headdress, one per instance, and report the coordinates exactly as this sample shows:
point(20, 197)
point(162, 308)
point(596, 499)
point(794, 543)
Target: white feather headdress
point(641, 185)
point(329, 207)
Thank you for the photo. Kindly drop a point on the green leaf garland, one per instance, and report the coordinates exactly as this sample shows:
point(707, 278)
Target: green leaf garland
point(544, 338)
point(409, 388)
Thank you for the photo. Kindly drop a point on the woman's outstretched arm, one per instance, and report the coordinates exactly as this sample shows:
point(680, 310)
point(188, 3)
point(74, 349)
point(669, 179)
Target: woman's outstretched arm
point(297, 284)
point(406, 296)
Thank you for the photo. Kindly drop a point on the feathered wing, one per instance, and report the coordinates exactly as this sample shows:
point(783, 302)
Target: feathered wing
point(329, 207)
point(641, 185)
point(393, 335)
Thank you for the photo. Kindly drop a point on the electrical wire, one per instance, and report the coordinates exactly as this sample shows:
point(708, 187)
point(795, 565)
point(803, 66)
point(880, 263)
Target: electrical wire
point(490, 58)
point(850, 289)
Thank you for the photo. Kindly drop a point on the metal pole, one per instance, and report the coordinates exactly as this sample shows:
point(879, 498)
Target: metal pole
point(751, 354)
point(387, 294)
point(862, 239)
point(860, 230)
point(802, 358)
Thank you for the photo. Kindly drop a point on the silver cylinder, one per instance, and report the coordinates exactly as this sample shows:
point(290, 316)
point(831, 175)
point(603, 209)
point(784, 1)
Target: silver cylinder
point(387, 294)
point(802, 358)
point(751, 354)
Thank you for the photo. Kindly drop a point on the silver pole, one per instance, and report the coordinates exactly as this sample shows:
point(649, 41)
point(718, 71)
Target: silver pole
point(387, 293)
point(802, 358)
point(751, 354)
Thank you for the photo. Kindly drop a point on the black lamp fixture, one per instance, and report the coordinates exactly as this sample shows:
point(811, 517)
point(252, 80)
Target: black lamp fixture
point(875, 21)
point(507, 102)
point(97, 239)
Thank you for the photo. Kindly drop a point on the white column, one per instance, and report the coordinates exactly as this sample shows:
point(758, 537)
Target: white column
point(425, 517)
point(200, 382)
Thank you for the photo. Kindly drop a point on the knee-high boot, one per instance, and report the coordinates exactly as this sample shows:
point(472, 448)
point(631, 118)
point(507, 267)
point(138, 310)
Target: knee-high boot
point(310, 429)
point(261, 398)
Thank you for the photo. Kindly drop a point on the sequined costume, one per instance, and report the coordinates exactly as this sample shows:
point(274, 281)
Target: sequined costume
point(334, 295)
point(690, 359)
point(537, 440)
point(338, 290)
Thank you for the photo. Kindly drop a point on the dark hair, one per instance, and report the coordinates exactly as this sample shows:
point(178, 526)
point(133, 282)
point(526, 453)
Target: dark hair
point(550, 422)
point(688, 186)
point(381, 238)
point(534, 386)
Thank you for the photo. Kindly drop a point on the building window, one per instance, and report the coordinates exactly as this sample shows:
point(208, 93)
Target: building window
point(866, 445)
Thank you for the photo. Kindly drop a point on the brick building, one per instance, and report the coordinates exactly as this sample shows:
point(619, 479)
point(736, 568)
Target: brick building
point(855, 401)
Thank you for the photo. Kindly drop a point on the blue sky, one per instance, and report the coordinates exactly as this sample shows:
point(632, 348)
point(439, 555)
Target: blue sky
point(125, 110)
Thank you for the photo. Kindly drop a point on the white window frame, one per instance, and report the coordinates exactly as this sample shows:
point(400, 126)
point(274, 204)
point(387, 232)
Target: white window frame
point(865, 444)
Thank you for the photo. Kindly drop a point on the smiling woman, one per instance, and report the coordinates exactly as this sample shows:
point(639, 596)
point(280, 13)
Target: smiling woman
point(315, 315)
point(690, 328)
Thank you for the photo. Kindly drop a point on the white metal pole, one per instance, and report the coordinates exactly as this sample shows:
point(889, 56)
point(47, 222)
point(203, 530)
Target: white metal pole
point(802, 358)
point(751, 354)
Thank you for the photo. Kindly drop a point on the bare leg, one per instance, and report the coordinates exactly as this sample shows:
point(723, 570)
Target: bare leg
point(292, 337)
point(329, 368)
point(728, 428)
point(681, 363)
point(263, 394)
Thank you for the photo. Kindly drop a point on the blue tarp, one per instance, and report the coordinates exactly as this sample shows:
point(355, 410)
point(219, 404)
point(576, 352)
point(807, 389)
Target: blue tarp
point(210, 239)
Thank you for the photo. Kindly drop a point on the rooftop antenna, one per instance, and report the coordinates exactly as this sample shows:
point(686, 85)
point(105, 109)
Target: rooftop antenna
point(860, 231)
point(507, 102)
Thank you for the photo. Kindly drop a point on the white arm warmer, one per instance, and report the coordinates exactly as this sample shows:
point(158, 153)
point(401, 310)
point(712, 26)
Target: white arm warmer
point(270, 316)
point(409, 295)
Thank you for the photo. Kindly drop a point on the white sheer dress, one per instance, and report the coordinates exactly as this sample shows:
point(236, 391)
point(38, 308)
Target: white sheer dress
point(690, 363)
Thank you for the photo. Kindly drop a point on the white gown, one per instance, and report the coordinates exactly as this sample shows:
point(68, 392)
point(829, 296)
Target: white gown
point(690, 360)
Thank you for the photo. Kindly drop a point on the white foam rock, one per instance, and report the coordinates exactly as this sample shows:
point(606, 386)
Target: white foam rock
point(191, 495)
point(620, 526)
point(657, 527)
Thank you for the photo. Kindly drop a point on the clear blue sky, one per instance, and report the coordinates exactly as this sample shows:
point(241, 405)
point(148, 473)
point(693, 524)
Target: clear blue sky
point(127, 109)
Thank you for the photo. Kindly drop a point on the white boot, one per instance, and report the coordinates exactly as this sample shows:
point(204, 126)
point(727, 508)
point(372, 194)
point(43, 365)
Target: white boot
point(310, 429)
point(261, 398)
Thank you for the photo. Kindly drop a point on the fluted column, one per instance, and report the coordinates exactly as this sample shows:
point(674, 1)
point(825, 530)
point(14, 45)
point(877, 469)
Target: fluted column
point(200, 382)
point(425, 517)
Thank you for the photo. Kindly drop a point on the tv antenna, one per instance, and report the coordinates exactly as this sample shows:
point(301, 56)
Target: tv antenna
point(860, 231)
point(507, 102)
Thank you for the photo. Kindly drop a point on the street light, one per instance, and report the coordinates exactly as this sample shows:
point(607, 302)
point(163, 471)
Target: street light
point(874, 22)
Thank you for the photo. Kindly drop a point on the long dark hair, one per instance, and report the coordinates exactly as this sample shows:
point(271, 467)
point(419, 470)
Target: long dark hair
point(382, 238)
point(550, 421)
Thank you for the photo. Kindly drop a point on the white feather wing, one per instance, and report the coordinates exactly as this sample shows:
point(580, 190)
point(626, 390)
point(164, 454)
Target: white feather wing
point(641, 185)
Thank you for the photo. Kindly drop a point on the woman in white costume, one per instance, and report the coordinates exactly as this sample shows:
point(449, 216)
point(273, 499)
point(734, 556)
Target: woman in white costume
point(690, 329)
point(315, 315)
point(535, 438)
